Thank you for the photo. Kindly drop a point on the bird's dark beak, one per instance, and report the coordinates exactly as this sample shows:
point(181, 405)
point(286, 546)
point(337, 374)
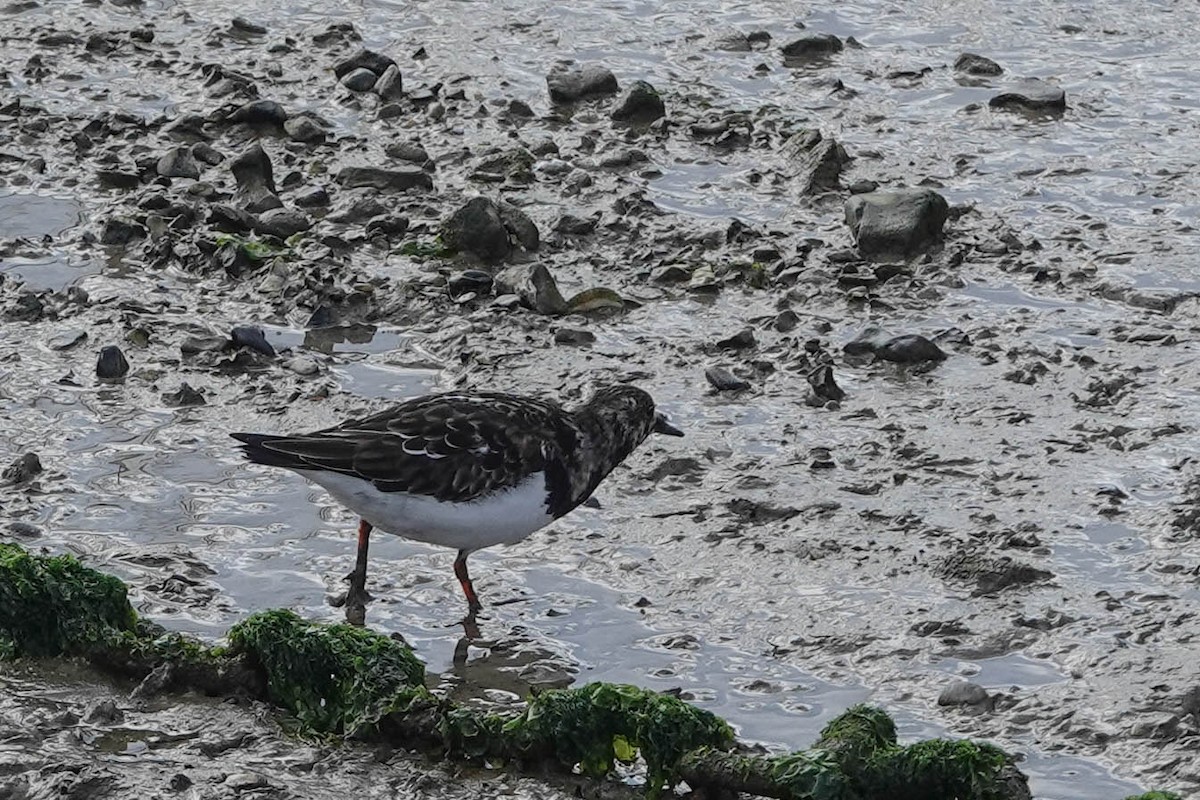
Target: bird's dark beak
point(662, 426)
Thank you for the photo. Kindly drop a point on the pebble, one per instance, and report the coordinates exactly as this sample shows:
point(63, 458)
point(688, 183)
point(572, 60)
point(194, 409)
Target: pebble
point(973, 64)
point(121, 231)
point(303, 365)
point(1033, 95)
point(899, 222)
point(283, 222)
point(963, 693)
point(810, 47)
point(723, 380)
point(363, 59)
point(567, 84)
point(111, 364)
point(22, 469)
point(258, 112)
point(253, 337)
point(407, 151)
point(185, 395)
point(178, 162)
point(477, 227)
point(304, 128)
point(535, 286)
point(401, 179)
point(359, 80)
point(389, 85)
point(741, 340)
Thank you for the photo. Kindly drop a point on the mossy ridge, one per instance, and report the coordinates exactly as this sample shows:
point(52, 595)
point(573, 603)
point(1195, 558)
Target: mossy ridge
point(55, 606)
point(337, 679)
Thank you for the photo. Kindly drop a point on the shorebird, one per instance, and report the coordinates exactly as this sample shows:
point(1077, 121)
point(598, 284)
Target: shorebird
point(465, 470)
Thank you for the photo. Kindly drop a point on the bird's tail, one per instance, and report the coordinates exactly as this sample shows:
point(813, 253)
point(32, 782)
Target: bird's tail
point(254, 448)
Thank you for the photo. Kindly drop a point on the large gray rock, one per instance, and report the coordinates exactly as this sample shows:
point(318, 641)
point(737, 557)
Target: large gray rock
point(390, 85)
point(1033, 94)
point(899, 222)
point(401, 179)
point(640, 104)
point(536, 287)
point(283, 222)
point(178, 162)
point(818, 160)
point(973, 64)
point(363, 59)
point(821, 45)
point(478, 228)
point(255, 179)
point(567, 84)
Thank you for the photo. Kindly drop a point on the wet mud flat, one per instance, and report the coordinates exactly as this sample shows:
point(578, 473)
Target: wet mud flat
point(1018, 515)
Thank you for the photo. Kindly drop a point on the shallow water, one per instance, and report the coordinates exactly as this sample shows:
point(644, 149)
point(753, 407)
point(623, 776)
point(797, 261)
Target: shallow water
point(151, 492)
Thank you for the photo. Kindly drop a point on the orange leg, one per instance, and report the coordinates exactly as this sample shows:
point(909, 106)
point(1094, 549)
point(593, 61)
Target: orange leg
point(460, 572)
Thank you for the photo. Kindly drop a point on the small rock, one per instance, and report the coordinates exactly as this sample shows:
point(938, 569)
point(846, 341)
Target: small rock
point(205, 153)
point(228, 219)
point(118, 179)
point(387, 180)
point(185, 395)
point(824, 387)
point(359, 80)
point(910, 349)
point(243, 25)
point(820, 160)
point(741, 340)
point(179, 162)
point(253, 337)
point(977, 65)
point(723, 380)
point(359, 210)
point(572, 225)
point(1034, 95)
point(640, 104)
point(283, 222)
point(389, 85)
point(535, 286)
point(315, 197)
point(258, 112)
point(896, 223)
point(255, 179)
point(120, 231)
point(103, 711)
point(573, 336)
point(472, 280)
point(407, 151)
point(520, 226)
point(567, 84)
point(303, 365)
point(68, 339)
point(478, 228)
point(671, 273)
point(363, 59)
point(304, 128)
point(817, 46)
point(242, 781)
point(111, 364)
point(393, 225)
point(963, 693)
point(22, 469)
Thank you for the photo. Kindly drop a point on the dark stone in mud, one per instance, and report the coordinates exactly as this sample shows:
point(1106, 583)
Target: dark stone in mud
point(820, 160)
point(359, 80)
point(824, 387)
point(741, 340)
point(258, 112)
point(407, 151)
point(363, 59)
point(640, 104)
point(315, 197)
point(567, 84)
point(1034, 95)
point(389, 85)
point(185, 395)
point(253, 337)
point(963, 693)
point(103, 712)
point(910, 349)
point(228, 219)
point(520, 226)
point(1190, 703)
point(723, 380)
point(111, 364)
point(178, 162)
point(386, 180)
point(388, 225)
point(188, 127)
point(120, 231)
point(118, 179)
point(243, 25)
point(572, 225)
point(471, 280)
point(671, 273)
point(283, 222)
point(973, 64)
point(576, 337)
point(22, 469)
point(816, 46)
point(305, 129)
point(255, 179)
point(536, 287)
point(478, 228)
point(360, 209)
point(27, 307)
point(205, 153)
point(900, 222)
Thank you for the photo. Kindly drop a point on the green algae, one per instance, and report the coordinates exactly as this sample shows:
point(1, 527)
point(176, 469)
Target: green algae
point(337, 679)
point(937, 768)
point(857, 734)
point(1155, 795)
point(55, 606)
point(597, 725)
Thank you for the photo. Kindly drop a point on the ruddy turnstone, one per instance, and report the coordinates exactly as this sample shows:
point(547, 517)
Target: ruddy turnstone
point(464, 470)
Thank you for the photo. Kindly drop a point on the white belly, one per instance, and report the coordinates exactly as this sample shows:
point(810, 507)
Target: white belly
point(502, 517)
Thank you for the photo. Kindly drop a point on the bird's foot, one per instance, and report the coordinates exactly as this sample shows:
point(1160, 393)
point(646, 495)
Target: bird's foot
point(355, 599)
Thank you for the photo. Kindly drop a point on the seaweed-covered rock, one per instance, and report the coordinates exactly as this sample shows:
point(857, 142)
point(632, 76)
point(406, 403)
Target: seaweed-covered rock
point(332, 678)
point(53, 605)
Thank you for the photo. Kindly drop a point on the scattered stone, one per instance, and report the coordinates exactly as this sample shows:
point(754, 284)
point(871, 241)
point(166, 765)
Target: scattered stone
point(387, 180)
point(390, 85)
point(316, 197)
point(969, 564)
point(363, 59)
point(304, 128)
point(255, 179)
point(121, 231)
point(111, 364)
point(243, 25)
point(900, 222)
point(253, 337)
point(68, 339)
point(817, 46)
point(283, 222)
point(359, 80)
point(820, 160)
point(910, 349)
point(723, 380)
point(973, 64)
point(303, 365)
point(741, 340)
point(474, 281)
point(478, 228)
point(391, 225)
point(241, 781)
point(22, 469)
point(228, 219)
point(572, 225)
point(824, 387)
point(185, 395)
point(188, 127)
point(205, 153)
point(595, 299)
point(520, 226)
point(103, 712)
point(1033, 95)
point(574, 336)
point(535, 286)
point(407, 151)
point(118, 179)
point(568, 84)
point(640, 104)
point(963, 693)
point(258, 112)
point(670, 273)
point(178, 162)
